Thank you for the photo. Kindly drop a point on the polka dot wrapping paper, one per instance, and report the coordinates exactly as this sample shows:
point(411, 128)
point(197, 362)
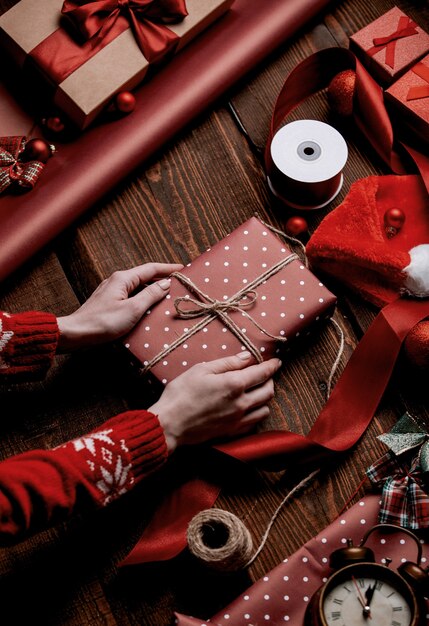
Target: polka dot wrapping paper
point(282, 596)
point(286, 304)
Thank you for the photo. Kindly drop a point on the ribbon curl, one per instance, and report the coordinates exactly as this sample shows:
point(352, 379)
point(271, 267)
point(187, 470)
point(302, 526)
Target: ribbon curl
point(147, 18)
point(12, 169)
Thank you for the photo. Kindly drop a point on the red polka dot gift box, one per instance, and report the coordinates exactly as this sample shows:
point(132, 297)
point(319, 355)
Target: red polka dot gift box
point(247, 292)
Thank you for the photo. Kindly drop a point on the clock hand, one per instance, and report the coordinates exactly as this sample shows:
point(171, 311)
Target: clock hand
point(369, 594)
point(366, 608)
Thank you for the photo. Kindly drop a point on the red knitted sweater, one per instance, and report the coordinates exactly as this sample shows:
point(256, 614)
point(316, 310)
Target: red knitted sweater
point(41, 487)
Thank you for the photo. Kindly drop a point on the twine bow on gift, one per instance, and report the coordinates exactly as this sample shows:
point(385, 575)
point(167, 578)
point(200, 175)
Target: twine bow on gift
point(25, 174)
point(147, 18)
point(406, 28)
point(208, 309)
point(419, 91)
point(405, 497)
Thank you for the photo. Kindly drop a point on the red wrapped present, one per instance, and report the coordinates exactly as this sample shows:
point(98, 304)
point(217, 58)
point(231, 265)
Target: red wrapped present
point(390, 45)
point(248, 292)
point(88, 51)
point(408, 99)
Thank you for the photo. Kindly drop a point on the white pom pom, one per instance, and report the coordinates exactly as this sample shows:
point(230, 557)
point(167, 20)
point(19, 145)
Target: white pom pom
point(417, 272)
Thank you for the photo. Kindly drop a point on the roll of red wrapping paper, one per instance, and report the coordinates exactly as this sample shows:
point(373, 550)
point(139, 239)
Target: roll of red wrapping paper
point(85, 169)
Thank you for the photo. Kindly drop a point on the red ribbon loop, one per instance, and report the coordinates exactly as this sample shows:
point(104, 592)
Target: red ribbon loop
point(147, 19)
point(406, 28)
point(12, 170)
point(420, 91)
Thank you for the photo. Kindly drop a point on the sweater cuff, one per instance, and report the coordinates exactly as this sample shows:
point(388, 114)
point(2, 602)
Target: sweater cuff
point(142, 435)
point(28, 342)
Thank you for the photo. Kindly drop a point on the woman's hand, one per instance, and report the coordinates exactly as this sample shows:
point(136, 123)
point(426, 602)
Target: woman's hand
point(221, 398)
point(112, 311)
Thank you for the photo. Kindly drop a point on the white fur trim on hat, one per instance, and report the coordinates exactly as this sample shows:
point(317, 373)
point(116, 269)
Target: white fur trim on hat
point(417, 272)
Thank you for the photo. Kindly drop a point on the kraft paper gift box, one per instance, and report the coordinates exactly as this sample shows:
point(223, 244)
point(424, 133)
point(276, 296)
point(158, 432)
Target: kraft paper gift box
point(80, 77)
point(255, 283)
point(408, 101)
point(389, 45)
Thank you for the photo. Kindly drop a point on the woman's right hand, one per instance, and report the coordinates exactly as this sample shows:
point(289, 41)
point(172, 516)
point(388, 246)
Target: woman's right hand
point(221, 398)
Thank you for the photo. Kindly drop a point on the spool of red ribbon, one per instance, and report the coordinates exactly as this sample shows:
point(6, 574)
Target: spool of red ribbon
point(306, 160)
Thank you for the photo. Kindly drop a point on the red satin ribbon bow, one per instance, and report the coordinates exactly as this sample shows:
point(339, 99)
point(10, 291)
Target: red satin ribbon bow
point(406, 28)
point(420, 91)
point(146, 17)
point(12, 170)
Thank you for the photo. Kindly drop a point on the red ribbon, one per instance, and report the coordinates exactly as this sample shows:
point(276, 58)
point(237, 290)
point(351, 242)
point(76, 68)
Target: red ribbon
point(146, 17)
point(355, 398)
point(406, 28)
point(12, 169)
point(420, 91)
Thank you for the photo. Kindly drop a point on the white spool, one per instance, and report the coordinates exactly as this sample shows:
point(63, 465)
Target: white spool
point(307, 157)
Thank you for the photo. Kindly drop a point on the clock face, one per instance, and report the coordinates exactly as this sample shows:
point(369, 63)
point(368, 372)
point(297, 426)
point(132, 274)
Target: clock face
point(367, 595)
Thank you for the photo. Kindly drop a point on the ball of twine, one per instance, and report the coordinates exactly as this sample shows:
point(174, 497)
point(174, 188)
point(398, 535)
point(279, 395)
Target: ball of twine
point(220, 540)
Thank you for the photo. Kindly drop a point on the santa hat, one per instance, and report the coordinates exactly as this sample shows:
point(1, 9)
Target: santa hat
point(357, 245)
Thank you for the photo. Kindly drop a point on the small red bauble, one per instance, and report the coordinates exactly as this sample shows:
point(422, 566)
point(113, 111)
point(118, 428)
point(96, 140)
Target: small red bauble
point(394, 219)
point(340, 93)
point(125, 102)
point(54, 124)
point(296, 226)
point(37, 150)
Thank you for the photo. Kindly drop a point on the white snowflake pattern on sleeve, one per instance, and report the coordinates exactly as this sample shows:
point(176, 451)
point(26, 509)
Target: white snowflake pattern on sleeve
point(108, 460)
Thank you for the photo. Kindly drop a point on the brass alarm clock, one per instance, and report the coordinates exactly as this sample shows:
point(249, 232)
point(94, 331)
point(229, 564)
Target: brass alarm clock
point(361, 592)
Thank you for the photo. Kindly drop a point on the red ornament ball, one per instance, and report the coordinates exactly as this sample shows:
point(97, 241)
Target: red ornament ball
point(37, 150)
point(125, 102)
point(296, 226)
point(54, 124)
point(394, 217)
point(340, 93)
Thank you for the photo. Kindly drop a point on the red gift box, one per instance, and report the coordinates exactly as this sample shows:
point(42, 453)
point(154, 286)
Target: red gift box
point(408, 99)
point(390, 45)
point(82, 75)
point(249, 291)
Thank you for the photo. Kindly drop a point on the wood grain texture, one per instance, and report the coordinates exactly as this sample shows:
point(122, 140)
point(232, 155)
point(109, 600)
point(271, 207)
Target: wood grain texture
point(182, 201)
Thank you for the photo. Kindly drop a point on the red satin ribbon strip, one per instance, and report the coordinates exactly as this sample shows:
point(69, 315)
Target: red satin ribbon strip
point(420, 91)
point(339, 426)
point(406, 28)
point(99, 23)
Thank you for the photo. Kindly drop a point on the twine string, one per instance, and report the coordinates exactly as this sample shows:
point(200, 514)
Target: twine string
point(289, 238)
point(235, 551)
point(209, 308)
point(338, 357)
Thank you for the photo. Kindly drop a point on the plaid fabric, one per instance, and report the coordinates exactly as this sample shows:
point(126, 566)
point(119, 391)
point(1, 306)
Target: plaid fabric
point(403, 498)
point(12, 170)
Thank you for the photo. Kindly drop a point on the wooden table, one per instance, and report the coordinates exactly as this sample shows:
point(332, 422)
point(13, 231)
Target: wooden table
point(200, 187)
